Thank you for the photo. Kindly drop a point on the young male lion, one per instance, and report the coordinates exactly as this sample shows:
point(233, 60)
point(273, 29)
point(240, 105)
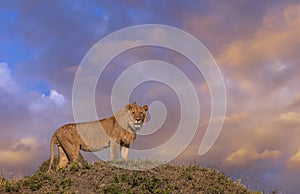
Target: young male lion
point(115, 131)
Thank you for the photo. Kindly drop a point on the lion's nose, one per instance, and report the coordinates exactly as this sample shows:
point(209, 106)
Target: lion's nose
point(138, 119)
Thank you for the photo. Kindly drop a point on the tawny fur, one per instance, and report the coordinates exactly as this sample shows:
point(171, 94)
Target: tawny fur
point(115, 131)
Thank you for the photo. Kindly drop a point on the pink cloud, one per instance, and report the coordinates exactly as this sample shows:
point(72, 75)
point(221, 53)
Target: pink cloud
point(294, 161)
point(243, 156)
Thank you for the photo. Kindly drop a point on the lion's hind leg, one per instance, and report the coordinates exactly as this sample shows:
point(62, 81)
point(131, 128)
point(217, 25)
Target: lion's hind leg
point(71, 150)
point(62, 158)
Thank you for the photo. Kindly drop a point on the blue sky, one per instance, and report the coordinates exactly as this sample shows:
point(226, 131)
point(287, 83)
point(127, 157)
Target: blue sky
point(255, 43)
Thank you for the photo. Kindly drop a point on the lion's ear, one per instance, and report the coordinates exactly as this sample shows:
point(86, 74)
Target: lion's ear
point(129, 106)
point(145, 107)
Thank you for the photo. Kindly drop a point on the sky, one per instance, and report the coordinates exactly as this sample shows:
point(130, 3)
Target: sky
point(256, 45)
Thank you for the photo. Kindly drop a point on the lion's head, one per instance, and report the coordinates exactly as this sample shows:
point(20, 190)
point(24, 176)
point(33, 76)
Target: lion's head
point(137, 115)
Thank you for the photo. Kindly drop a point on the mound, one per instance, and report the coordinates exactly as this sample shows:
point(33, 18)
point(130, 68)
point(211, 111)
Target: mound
point(103, 177)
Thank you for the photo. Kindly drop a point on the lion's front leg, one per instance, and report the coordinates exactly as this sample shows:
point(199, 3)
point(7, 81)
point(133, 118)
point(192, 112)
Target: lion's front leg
point(114, 150)
point(124, 152)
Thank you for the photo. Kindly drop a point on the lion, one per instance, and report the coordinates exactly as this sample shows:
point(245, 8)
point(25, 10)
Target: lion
point(117, 131)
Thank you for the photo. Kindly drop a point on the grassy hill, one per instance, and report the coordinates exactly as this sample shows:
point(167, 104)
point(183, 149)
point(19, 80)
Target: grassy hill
point(102, 177)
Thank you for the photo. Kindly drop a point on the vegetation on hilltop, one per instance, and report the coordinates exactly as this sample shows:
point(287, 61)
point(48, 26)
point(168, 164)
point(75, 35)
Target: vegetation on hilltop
point(102, 177)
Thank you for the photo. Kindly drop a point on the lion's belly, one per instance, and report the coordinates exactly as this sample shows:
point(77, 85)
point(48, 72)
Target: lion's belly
point(93, 136)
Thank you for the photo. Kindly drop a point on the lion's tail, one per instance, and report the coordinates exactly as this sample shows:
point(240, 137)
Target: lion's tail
point(52, 146)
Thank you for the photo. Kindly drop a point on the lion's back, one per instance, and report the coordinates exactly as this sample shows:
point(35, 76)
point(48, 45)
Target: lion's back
point(93, 135)
point(68, 132)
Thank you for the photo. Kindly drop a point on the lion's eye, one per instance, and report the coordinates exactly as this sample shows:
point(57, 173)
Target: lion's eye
point(133, 112)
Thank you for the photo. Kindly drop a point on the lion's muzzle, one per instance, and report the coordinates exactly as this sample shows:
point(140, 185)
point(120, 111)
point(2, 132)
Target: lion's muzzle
point(138, 123)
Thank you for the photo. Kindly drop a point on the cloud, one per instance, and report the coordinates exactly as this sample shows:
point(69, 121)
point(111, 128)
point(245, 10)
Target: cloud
point(57, 98)
point(294, 162)
point(38, 101)
point(236, 118)
point(295, 104)
point(289, 117)
point(20, 152)
point(34, 100)
point(275, 38)
point(265, 61)
point(243, 156)
point(24, 146)
point(288, 120)
point(47, 102)
point(21, 157)
point(6, 80)
point(261, 72)
point(4, 75)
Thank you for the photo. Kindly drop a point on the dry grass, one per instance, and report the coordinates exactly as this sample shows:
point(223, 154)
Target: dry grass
point(102, 177)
